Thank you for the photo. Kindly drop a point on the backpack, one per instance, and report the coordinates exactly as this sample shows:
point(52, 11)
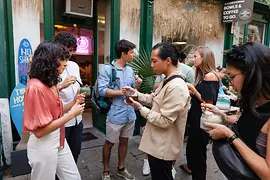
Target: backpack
point(102, 104)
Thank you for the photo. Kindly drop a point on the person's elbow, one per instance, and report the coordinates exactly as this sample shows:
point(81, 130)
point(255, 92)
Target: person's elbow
point(167, 124)
point(102, 91)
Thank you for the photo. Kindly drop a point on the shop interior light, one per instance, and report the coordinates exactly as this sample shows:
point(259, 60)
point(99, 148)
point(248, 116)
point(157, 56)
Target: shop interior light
point(180, 43)
point(101, 21)
point(60, 27)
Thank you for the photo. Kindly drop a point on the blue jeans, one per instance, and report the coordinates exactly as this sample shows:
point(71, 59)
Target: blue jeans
point(74, 139)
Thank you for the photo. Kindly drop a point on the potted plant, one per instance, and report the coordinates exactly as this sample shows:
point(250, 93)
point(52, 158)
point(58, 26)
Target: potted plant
point(141, 66)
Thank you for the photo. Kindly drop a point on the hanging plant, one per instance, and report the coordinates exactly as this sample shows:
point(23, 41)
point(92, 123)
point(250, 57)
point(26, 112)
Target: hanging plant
point(31, 5)
point(183, 19)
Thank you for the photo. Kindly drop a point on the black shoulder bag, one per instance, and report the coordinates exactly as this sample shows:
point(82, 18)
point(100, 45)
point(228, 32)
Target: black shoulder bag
point(102, 104)
point(230, 161)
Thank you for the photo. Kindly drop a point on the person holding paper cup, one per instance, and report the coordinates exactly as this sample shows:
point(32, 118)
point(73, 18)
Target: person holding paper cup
point(249, 74)
point(69, 88)
point(47, 149)
point(163, 136)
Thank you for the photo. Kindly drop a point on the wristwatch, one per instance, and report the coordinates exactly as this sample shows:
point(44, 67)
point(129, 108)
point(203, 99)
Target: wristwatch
point(232, 138)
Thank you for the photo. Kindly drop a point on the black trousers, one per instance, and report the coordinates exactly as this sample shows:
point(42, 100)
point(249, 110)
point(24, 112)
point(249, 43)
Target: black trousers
point(196, 152)
point(74, 139)
point(160, 169)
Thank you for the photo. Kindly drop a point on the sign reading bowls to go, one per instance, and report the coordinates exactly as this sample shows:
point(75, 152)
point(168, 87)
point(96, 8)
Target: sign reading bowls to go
point(24, 53)
point(237, 11)
point(16, 104)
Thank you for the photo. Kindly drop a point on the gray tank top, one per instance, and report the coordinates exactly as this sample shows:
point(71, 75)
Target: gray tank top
point(261, 144)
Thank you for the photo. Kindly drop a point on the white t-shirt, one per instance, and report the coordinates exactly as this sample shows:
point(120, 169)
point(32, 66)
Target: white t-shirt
point(67, 95)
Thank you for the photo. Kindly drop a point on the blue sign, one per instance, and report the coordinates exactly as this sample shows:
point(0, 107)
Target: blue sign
point(16, 104)
point(25, 51)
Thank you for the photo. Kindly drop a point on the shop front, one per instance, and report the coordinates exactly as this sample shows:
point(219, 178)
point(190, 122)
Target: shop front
point(189, 24)
point(256, 30)
point(104, 22)
point(26, 23)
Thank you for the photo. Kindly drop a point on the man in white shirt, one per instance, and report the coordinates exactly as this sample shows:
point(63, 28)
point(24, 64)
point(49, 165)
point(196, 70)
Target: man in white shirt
point(69, 87)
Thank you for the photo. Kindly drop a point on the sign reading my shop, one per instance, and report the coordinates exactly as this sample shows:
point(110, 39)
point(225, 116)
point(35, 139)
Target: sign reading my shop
point(25, 51)
point(237, 11)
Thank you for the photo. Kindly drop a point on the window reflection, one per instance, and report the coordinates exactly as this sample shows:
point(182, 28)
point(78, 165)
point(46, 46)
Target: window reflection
point(256, 32)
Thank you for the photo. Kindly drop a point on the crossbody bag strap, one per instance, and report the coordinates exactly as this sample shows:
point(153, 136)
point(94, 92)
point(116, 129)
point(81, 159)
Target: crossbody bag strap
point(113, 77)
point(171, 78)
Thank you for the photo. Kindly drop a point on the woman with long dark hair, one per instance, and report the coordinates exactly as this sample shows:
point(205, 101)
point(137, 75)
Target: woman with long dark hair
point(47, 149)
point(205, 90)
point(248, 69)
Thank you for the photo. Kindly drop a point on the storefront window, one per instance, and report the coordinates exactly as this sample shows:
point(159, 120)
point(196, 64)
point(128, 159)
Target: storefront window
point(238, 38)
point(83, 30)
point(256, 28)
point(256, 31)
point(251, 32)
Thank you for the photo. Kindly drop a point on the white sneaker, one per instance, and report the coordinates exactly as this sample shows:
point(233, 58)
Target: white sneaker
point(173, 172)
point(146, 167)
point(125, 174)
point(106, 177)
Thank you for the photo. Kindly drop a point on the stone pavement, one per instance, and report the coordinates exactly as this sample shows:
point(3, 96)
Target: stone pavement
point(91, 168)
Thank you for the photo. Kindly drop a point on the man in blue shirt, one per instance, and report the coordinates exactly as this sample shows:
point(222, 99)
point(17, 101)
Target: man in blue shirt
point(121, 117)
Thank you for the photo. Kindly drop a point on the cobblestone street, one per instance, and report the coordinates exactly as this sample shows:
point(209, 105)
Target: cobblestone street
point(91, 168)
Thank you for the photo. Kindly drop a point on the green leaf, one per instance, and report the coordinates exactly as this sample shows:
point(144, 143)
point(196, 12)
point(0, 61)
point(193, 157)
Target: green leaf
point(189, 48)
point(147, 84)
point(141, 66)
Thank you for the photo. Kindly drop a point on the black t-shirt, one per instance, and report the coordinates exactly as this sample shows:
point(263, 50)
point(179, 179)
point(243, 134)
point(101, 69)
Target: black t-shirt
point(249, 125)
point(208, 91)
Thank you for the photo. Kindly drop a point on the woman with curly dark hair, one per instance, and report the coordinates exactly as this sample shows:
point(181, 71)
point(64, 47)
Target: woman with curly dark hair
point(47, 150)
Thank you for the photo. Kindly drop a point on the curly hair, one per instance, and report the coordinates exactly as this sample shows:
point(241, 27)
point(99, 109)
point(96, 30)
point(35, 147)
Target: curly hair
point(66, 39)
point(253, 60)
point(45, 62)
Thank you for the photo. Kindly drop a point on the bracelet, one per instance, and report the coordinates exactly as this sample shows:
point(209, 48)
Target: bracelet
point(232, 138)
point(193, 93)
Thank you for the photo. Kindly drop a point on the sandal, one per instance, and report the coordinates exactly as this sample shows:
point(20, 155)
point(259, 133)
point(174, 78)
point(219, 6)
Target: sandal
point(184, 169)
